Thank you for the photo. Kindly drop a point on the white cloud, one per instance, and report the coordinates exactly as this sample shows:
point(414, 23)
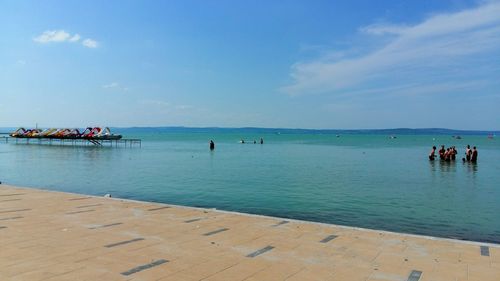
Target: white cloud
point(156, 103)
point(89, 43)
point(451, 45)
point(165, 107)
point(115, 86)
point(63, 36)
point(184, 107)
point(110, 85)
point(75, 38)
point(381, 29)
point(52, 36)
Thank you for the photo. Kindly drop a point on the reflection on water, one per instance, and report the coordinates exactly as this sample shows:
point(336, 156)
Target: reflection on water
point(447, 166)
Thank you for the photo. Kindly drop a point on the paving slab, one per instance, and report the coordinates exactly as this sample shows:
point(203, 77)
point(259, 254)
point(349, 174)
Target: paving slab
point(47, 235)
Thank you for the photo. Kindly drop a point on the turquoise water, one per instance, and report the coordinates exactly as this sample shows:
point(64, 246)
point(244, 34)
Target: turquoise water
point(359, 180)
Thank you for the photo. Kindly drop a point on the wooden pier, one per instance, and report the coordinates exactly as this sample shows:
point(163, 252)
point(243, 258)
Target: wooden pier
point(74, 142)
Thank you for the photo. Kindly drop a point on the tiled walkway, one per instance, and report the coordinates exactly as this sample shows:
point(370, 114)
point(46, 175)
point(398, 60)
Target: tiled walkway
point(48, 235)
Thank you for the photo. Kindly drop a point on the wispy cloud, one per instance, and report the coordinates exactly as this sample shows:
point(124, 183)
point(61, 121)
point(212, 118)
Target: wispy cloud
point(444, 46)
point(115, 86)
point(59, 36)
point(164, 106)
point(110, 85)
point(89, 43)
point(383, 29)
point(52, 36)
point(156, 103)
point(75, 38)
point(184, 107)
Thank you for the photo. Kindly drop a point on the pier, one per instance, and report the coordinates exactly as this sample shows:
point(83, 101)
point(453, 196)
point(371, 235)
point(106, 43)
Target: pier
point(73, 142)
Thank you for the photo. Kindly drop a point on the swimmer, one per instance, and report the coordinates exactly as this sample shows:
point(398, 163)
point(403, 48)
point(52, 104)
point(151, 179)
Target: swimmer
point(442, 151)
point(212, 145)
point(432, 155)
point(473, 158)
point(468, 153)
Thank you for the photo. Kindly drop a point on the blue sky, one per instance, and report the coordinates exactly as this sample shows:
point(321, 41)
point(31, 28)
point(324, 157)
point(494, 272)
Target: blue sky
point(295, 64)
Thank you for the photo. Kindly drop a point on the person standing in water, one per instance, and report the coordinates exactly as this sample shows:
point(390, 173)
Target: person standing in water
point(473, 158)
point(432, 155)
point(442, 151)
point(212, 145)
point(468, 153)
point(453, 153)
point(261, 141)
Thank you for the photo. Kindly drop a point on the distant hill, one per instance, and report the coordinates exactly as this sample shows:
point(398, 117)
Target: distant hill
point(398, 131)
point(250, 130)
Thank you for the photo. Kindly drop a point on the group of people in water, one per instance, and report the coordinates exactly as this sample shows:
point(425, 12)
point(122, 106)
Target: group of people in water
point(212, 144)
point(254, 141)
point(450, 154)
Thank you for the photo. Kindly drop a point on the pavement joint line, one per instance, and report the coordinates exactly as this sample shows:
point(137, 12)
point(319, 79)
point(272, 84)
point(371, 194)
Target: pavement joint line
point(10, 218)
point(260, 251)
point(12, 194)
point(193, 220)
point(12, 211)
point(86, 206)
point(328, 238)
point(159, 208)
point(8, 200)
point(485, 251)
point(77, 212)
point(106, 225)
point(123, 242)
point(414, 275)
point(351, 228)
point(215, 231)
point(79, 198)
point(280, 223)
point(170, 225)
point(219, 271)
point(144, 267)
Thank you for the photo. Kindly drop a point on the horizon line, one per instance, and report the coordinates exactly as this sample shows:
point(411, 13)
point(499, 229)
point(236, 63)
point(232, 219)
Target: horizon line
point(278, 128)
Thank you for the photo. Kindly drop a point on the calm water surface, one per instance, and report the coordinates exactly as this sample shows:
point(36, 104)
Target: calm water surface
point(367, 181)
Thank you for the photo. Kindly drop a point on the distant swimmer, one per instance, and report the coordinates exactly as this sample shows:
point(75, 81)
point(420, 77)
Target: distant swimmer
point(242, 141)
point(449, 155)
point(442, 152)
point(212, 145)
point(254, 141)
point(468, 153)
point(454, 152)
point(432, 155)
point(473, 158)
point(261, 141)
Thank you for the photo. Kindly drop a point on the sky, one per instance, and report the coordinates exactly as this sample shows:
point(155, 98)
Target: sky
point(344, 64)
